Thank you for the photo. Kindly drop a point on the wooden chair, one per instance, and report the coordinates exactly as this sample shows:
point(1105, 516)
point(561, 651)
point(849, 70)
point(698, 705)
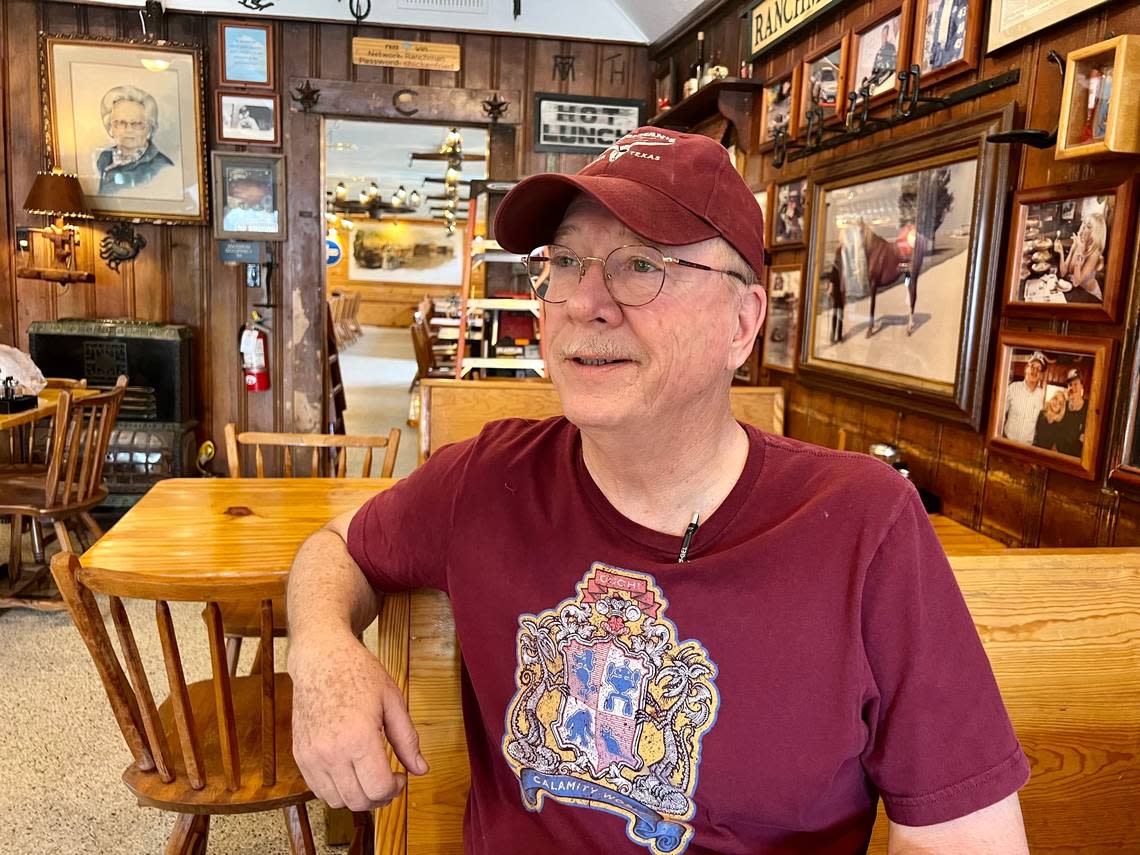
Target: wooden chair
point(234, 736)
point(65, 383)
point(425, 355)
point(243, 619)
point(70, 484)
point(451, 410)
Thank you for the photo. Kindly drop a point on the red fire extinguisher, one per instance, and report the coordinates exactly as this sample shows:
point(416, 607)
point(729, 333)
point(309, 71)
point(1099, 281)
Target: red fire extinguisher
point(254, 346)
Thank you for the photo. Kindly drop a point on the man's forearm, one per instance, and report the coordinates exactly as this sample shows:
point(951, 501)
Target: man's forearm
point(327, 593)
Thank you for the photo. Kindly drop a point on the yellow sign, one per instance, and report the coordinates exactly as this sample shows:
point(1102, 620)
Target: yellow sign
point(770, 21)
point(391, 52)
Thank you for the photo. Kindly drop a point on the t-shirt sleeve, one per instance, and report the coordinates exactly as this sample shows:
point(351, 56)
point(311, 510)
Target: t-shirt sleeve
point(400, 537)
point(941, 743)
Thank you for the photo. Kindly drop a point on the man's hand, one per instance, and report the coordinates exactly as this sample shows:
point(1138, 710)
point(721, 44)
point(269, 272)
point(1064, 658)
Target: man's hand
point(344, 704)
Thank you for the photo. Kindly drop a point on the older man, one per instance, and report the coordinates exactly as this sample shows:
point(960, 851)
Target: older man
point(662, 653)
point(1024, 401)
point(130, 117)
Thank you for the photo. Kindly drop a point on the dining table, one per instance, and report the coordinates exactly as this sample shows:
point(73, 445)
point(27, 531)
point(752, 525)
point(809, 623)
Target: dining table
point(47, 401)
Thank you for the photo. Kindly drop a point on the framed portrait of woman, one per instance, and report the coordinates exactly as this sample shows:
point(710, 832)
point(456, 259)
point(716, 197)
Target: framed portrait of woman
point(1069, 249)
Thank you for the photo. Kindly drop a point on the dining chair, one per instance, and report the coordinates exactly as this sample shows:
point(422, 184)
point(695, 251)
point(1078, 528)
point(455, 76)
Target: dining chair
point(426, 365)
point(242, 619)
point(233, 735)
point(69, 484)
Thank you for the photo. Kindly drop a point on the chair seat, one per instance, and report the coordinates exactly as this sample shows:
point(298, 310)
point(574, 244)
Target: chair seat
point(244, 618)
point(289, 789)
point(24, 493)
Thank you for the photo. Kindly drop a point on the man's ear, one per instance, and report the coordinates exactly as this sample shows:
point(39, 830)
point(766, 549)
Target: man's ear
point(750, 314)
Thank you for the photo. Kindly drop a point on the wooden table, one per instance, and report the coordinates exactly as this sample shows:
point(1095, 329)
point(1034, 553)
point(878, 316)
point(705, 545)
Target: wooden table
point(48, 399)
point(958, 539)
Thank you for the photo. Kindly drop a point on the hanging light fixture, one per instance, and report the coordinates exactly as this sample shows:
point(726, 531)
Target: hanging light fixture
point(373, 190)
point(363, 197)
point(341, 191)
point(414, 199)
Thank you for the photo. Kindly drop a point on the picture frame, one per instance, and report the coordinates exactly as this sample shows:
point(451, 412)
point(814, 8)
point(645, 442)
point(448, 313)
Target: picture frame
point(782, 326)
point(569, 124)
point(1099, 115)
point(1125, 468)
point(246, 117)
point(947, 38)
point(1014, 20)
point(1055, 373)
point(1083, 280)
point(789, 206)
point(249, 196)
point(823, 81)
point(874, 47)
point(928, 209)
point(779, 105)
point(126, 117)
point(762, 196)
point(245, 54)
point(413, 251)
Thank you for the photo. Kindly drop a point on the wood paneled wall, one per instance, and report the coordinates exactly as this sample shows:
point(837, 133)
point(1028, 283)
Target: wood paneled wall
point(178, 278)
point(1019, 503)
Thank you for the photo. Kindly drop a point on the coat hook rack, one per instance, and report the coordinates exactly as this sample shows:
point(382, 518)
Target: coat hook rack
point(910, 105)
point(1034, 137)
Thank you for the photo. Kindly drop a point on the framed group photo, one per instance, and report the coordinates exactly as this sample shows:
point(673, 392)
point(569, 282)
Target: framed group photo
point(902, 263)
point(1069, 250)
point(248, 117)
point(126, 118)
point(880, 51)
point(789, 213)
point(782, 326)
point(1049, 398)
point(249, 196)
point(947, 38)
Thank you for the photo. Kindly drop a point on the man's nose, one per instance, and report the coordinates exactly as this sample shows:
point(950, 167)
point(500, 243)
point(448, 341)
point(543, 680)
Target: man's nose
point(592, 299)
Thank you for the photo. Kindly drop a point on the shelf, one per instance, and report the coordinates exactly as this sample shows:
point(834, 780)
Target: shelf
point(513, 363)
point(732, 97)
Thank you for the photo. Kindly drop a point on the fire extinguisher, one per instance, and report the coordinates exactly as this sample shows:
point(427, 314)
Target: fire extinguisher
point(254, 346)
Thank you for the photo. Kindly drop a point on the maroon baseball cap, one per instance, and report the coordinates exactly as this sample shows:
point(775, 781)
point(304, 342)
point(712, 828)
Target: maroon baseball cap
point(669, 187)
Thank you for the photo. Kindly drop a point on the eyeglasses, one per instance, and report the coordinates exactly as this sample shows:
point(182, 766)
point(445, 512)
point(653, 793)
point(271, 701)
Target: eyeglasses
point(124, 125)
point(633, 274)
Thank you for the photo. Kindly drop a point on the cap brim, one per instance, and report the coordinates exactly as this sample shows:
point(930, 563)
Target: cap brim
point(530, 214)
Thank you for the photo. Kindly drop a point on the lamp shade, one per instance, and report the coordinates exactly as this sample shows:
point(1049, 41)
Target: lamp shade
point(57, 194)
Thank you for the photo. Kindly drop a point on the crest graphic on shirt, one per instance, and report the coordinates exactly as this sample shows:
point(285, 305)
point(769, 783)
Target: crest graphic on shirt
point(611, 708)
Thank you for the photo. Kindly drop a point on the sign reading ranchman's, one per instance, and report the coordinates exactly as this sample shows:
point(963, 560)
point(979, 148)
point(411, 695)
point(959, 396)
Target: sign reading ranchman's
point(771, 21)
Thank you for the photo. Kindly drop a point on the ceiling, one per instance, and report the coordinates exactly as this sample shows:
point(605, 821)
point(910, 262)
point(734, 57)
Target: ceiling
point(637, 21)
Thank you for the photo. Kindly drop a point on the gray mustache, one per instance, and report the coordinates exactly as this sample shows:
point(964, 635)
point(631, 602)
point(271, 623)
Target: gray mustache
point(592, 349)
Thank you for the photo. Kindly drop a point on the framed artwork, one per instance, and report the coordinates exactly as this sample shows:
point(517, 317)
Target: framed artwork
point(1048, 399)
point(245, 54)
point(248, 117)
point(1013, 20)
point(823, 82)
point(1126, 467)
point(411, 252)
point(249, 196)
point(904, 252)
point(881, 50)
point(947, 37)
point(1069, 249)
point(761, 197)
point(778, 103)
point(789, 213)
point(782, 326)
point(126, 117)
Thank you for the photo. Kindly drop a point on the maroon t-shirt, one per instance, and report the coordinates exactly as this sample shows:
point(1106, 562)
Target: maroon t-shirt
point(813, 653)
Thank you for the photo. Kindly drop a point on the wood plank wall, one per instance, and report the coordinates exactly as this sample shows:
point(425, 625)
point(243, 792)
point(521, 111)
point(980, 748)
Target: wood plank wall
point(177, 278)
point(1018, 503)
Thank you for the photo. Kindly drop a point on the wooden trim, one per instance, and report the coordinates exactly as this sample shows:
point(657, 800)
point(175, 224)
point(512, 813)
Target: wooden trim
point(433, 104)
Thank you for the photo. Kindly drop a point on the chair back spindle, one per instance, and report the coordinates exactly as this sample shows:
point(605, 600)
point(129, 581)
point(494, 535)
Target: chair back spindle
point(328, 453)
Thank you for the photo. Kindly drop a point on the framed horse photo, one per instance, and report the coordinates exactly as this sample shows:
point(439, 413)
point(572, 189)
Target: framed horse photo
point(904, 251)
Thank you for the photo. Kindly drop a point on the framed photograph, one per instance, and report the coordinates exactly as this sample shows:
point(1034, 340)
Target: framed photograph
point(823, 82)
point(777, 106)
point(1049, 398)
point(789, 213)
point(410, 252)
point(947, 37)
point(1069, 250)
point(1014, 20)
point(126, 117)
point(248, 117)
point(880, 51)
point(245, 54)
point(761, 197)
point(249, 196)
point(782, 326)
point(1099, 112)
point(904, 253)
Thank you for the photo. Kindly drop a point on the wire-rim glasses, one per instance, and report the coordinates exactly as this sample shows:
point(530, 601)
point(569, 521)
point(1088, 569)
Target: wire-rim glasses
point(634, 274)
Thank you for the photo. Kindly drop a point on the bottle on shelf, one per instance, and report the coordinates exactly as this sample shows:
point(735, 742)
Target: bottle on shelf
point(713, 70)
point(697, 69)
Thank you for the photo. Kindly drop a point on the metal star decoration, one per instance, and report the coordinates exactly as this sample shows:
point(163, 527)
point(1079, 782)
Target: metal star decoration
point(306, 95)
point(495, 107)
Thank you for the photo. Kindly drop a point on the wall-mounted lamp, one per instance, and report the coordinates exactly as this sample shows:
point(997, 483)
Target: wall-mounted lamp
point(57, 194)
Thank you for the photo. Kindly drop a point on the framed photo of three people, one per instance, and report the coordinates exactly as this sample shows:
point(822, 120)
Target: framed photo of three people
point(126, 118)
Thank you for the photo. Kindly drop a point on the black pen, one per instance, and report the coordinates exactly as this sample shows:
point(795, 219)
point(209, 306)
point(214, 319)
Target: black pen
point(688, 538)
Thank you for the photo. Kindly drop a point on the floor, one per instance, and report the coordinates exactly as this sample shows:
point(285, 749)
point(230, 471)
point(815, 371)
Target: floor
point(61, 753)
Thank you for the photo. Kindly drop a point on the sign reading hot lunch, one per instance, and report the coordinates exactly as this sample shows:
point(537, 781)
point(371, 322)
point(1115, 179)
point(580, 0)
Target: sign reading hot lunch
point(583, 125)
point(771, 21)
